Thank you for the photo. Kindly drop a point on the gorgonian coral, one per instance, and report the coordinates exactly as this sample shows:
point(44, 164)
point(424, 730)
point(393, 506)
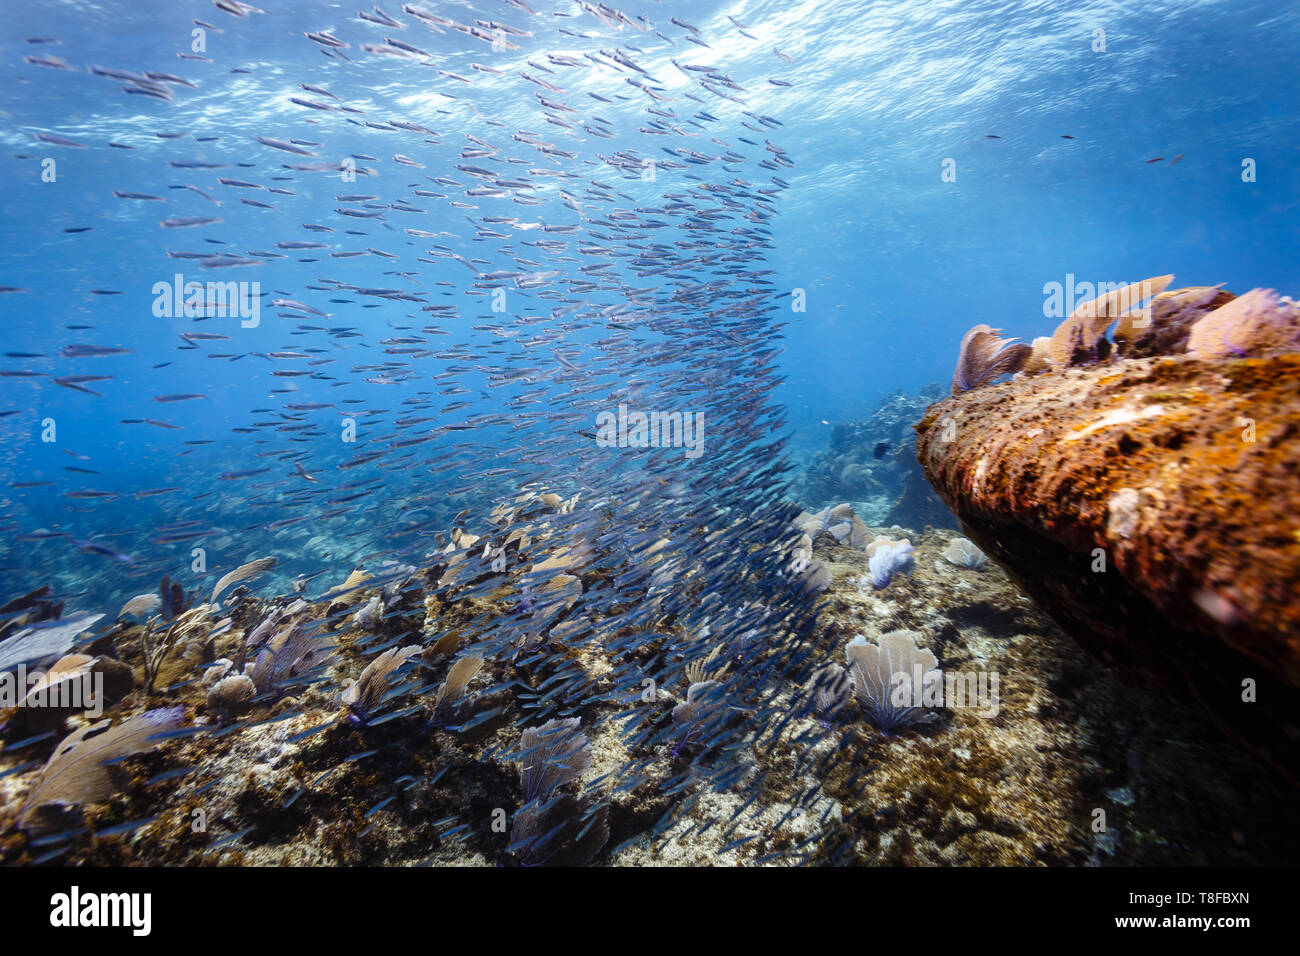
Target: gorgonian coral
point(984, 356)
point(888, 677)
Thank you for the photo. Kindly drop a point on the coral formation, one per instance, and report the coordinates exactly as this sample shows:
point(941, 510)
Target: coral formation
point(1253, 324)
point(1081, 338)
point(284, 777)
point(888, 677)
point(44, 640)
point(964, 554)
point(79, 772)
point(887, 558)
point(871, 462)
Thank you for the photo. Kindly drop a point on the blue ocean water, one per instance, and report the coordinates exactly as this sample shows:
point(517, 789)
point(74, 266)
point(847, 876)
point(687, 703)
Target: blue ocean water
point(891, 260)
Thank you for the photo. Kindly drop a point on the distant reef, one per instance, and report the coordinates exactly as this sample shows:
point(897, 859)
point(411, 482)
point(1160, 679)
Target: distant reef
point(872, 462)
point(1144, 490)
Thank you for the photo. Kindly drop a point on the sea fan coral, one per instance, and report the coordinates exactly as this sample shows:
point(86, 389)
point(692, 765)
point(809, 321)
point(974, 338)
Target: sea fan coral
point(140, 606)
point(554, 827)
point(552, 755)
point(1162, 329)
point(887, 558)
point(1251, 324)
point(371, 615)
point(77, 772)
point(888, 677)
point(458, 678)
point(295, 655)
point(43, 640)
point(242, 573)
point(116, 678)
point(1081, 338)
point(1038, 360)
point(984, 356)
point(963, 553)
point(74, 684)
point(370, 690)
point(816, 578)
point(563, 831)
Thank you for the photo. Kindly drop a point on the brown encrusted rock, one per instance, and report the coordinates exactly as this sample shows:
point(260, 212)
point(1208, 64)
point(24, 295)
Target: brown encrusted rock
point(1179, 477)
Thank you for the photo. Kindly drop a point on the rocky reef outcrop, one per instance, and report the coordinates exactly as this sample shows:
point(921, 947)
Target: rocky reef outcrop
point(1146, 497)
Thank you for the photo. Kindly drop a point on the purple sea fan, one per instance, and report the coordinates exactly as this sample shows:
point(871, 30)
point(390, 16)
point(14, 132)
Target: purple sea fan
point(1252, 324)
point(698, 709)
point(552, 755)
point(888, 558)
point(295, 656)
point(563, 831)
point(984, 356)
point(889, 677)
point(554, 826)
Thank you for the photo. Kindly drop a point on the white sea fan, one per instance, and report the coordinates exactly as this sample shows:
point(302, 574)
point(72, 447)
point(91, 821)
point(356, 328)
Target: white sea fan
point(44, 639)
point(963, 553)
point(141, 606)
point(458, 677)
point(78, 770)
point(242, 573)
point(366, 695)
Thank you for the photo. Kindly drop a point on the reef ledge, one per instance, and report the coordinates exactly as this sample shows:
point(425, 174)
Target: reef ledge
point(1151, 507)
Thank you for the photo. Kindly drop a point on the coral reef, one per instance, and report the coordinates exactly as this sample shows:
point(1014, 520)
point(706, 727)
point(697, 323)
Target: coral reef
point(1022, 786)
point(872, 463)
point(480, 774)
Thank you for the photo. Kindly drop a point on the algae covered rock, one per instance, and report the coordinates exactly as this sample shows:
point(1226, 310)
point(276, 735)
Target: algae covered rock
point(1150, 506)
